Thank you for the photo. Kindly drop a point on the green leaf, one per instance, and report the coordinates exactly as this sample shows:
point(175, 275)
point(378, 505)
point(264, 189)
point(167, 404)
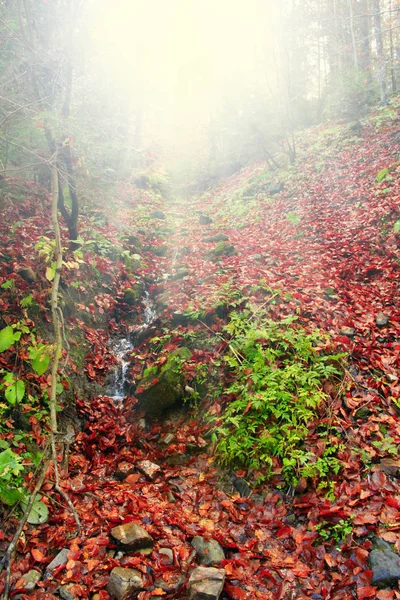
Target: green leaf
point(382, 175)
point(50, 273)
point(10, 496)
point(39, 358)
point(10, 464)
point(7, 284)
point(15, 392)
point(294, 218)
point(27, 301)
point(39, 512)
point(396, 227)
point(7, 337)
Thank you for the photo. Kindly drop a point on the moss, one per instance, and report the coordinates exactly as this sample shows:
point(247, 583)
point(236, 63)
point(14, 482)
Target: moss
point(133, 294)
point(160, 392)
point(223, 249)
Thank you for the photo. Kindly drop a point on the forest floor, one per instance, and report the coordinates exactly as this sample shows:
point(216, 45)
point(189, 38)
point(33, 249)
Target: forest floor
point(324, 248)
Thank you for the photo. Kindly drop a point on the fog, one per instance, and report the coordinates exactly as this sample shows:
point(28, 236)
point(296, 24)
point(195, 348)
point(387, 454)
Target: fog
point(183, 61)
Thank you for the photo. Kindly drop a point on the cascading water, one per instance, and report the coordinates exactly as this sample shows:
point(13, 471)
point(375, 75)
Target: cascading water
point(122, 348)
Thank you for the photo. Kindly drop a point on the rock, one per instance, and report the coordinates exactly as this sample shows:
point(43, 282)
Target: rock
point(132, 295)
point(391, 378)
point(257, 257)
point(241, 486)
point(384, 564)
point(206, 583)
point(30, 579)
point(219, 237)
point(65, 593)
point(348, 332)
point(179, 318)
point(209, 552)
point(167, 556)
point(223, 249)
point(133, 262)
point(205, 220)
point(148, 468)
point(157, 250)
point(382, 320)
point(60, 559)
point(132, 536)
point(275, 188)
point(28, 275)
point(134, 241)
point(157, 214)
point(124, 582)
point(160, 391)
point(181, 273)
point(355, 127)
point(173, 583)
point(169, 438)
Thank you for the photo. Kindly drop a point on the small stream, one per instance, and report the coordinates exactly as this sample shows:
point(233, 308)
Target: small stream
point(122, 347)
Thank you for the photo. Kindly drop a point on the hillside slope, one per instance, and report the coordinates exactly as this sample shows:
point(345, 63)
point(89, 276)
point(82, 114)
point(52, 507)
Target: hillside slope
point(318, 242)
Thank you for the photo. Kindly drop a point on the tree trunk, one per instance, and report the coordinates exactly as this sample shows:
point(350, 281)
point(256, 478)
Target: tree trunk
point(381, 71)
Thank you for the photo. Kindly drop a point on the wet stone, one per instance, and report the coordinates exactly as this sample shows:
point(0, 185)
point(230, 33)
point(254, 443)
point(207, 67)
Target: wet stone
point(148, 468)
point(124, 582)
point(349, 332)
point(132, 536)
point(382, 320)
point(209, 552)
point(205, 220)
point(60, 559)
point(206, 583)
point(384, 564)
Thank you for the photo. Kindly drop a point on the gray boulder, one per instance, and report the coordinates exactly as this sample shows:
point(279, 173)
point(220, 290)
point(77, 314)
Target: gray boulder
point(205, 220)
point(384, 564)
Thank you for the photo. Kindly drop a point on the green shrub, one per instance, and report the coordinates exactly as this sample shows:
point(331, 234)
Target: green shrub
point(277, 372)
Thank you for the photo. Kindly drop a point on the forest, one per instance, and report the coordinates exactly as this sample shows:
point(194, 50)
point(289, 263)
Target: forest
point(200, 299)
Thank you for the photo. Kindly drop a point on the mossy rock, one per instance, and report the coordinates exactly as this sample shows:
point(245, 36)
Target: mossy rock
point(157, 250)
point(180, 273)
point(133, 295)
point(223, 249)
point(133, 262)
point(162, 390)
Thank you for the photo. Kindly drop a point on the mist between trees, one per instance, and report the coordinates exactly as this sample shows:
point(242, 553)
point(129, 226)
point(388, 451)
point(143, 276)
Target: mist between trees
point(120, 90)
